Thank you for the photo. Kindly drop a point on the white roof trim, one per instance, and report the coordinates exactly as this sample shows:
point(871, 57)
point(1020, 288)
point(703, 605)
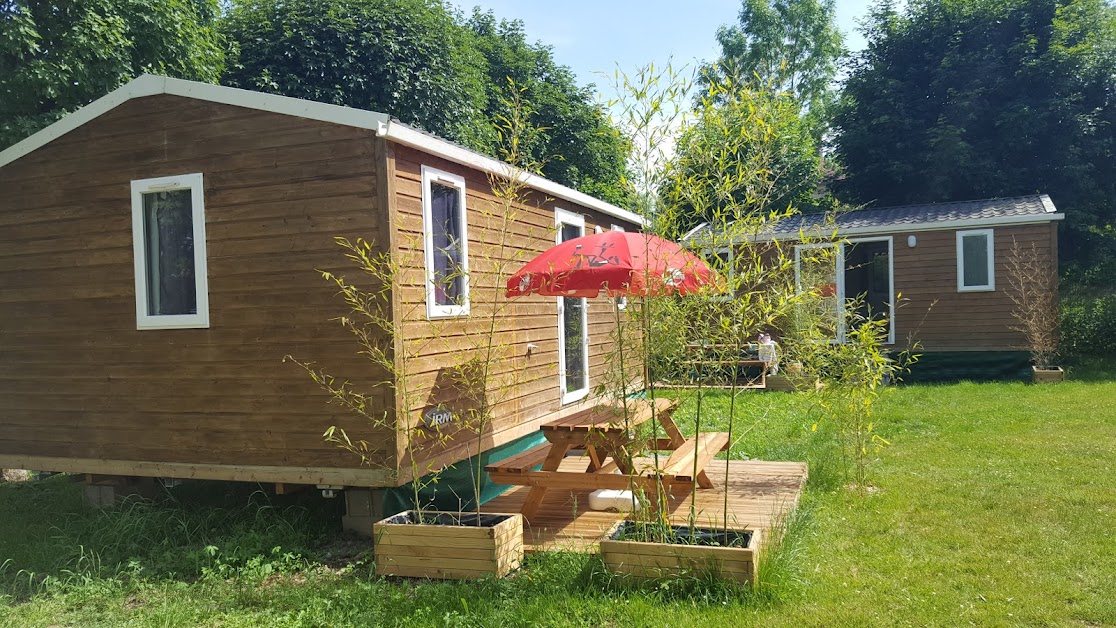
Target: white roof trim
point(408, 136)
point(151, 85)
point(938, 225)
point(941, 225)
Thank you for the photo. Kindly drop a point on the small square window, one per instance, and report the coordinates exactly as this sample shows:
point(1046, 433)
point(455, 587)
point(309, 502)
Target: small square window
point(168, 232)
point(446, 242)
point(976, 271)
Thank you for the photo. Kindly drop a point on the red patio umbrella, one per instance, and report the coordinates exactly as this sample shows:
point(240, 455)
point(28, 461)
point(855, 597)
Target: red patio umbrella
point(617, 262)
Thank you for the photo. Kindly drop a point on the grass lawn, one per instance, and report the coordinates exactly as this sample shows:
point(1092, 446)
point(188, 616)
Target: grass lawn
point(993, 505)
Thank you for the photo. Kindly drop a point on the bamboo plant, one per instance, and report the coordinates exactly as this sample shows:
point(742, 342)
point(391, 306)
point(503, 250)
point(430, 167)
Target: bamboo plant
point(757, 288)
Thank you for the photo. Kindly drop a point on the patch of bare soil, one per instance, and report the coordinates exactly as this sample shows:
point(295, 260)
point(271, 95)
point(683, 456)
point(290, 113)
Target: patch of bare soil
point(867, 489)
point(133, 602)
point(344, 551)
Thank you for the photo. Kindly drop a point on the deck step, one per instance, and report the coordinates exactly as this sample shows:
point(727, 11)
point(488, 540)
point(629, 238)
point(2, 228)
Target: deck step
point(521, 462)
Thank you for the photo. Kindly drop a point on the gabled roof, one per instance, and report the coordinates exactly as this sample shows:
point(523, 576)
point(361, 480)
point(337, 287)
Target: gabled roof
point(382, 124)
point(981, 213)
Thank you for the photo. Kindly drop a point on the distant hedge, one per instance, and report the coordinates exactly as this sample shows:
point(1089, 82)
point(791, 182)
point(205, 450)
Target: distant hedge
point(1089, 326)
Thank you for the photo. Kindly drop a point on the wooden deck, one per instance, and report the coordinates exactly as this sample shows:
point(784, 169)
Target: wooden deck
point(760, 494)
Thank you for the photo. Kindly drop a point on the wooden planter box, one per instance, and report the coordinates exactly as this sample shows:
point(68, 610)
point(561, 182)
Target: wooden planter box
point(640, 559)
point(1047, 376)
point(453, 547)
point(790, 382)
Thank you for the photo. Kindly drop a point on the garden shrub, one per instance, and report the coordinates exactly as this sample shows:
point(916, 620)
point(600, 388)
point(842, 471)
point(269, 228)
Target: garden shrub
point(1089, 326)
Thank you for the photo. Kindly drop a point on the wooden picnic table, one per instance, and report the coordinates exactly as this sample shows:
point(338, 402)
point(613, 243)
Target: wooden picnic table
point(605, 434)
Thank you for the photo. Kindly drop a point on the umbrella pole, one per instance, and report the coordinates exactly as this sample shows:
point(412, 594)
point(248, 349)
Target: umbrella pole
point(649, 382)
point(624, 397)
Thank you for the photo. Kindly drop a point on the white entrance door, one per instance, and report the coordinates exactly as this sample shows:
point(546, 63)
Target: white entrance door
point(573, 323)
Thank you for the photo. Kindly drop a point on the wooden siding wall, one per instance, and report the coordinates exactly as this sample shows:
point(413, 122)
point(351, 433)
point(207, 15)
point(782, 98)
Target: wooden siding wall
point(77, 380)
point(534, 385)
point(944, 319)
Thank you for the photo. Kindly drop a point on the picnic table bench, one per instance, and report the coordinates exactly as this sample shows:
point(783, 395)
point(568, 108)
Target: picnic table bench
point(604, 433)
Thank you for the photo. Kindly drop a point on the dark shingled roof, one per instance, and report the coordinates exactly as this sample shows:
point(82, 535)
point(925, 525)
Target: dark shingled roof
point(1038, 205)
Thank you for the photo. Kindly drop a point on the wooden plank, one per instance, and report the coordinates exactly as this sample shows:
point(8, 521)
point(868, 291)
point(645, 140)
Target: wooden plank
point(402, 571)
point(445, 553)
point(361, 477)
point(570, 480)
point(706, 447)
point(500, 537)
point(726, 555)
point(523, 461)
point(676, 561)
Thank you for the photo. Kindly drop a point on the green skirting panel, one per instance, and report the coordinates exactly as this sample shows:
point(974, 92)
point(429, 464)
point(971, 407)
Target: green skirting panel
point(945, 366)
point(454, 489)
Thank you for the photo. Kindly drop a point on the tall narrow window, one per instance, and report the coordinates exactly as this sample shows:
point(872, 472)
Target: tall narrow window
point(976, 271)
point(168, 232)
point(573, 323)
point(446, 242)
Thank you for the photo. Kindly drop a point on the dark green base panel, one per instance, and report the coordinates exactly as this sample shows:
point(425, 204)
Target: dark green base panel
point(454, 490)
point(952, 366)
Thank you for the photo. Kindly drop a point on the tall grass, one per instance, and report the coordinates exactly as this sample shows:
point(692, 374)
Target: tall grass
point(51, 543)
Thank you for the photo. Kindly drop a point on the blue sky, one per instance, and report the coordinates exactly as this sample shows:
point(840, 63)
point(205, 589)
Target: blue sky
point(593, 36)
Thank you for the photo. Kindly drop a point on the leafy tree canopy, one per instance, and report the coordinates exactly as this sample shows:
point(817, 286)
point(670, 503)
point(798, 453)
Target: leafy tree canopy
point(417, 60)
point(57, 56)
point(420, 62)
point(792, 46)
point(963, 99)
point(408, 58)
point(576, 144)
point(747, 154)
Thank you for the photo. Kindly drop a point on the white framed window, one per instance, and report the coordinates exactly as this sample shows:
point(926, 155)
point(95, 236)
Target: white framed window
point(843, 271)
point(976, 263)
point(817, 267)
point(573, 322)
point(168, 244)
point(446, 244)
point(621, 302)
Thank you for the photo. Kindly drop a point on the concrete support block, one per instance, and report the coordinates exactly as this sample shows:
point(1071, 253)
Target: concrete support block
point(105, 491)
point(363, 507)
point(99, 496)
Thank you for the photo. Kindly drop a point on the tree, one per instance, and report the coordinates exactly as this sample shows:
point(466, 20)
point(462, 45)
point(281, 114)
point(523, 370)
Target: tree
point(747, 152)
point(421, 62)
point(408, 58)
point(576, 144)
point(58, 56)
point(792, 46)
point(957, 100)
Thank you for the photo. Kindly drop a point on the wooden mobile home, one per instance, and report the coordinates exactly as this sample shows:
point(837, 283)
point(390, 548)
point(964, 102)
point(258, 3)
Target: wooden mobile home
point(159, 252)
point(949, 263)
